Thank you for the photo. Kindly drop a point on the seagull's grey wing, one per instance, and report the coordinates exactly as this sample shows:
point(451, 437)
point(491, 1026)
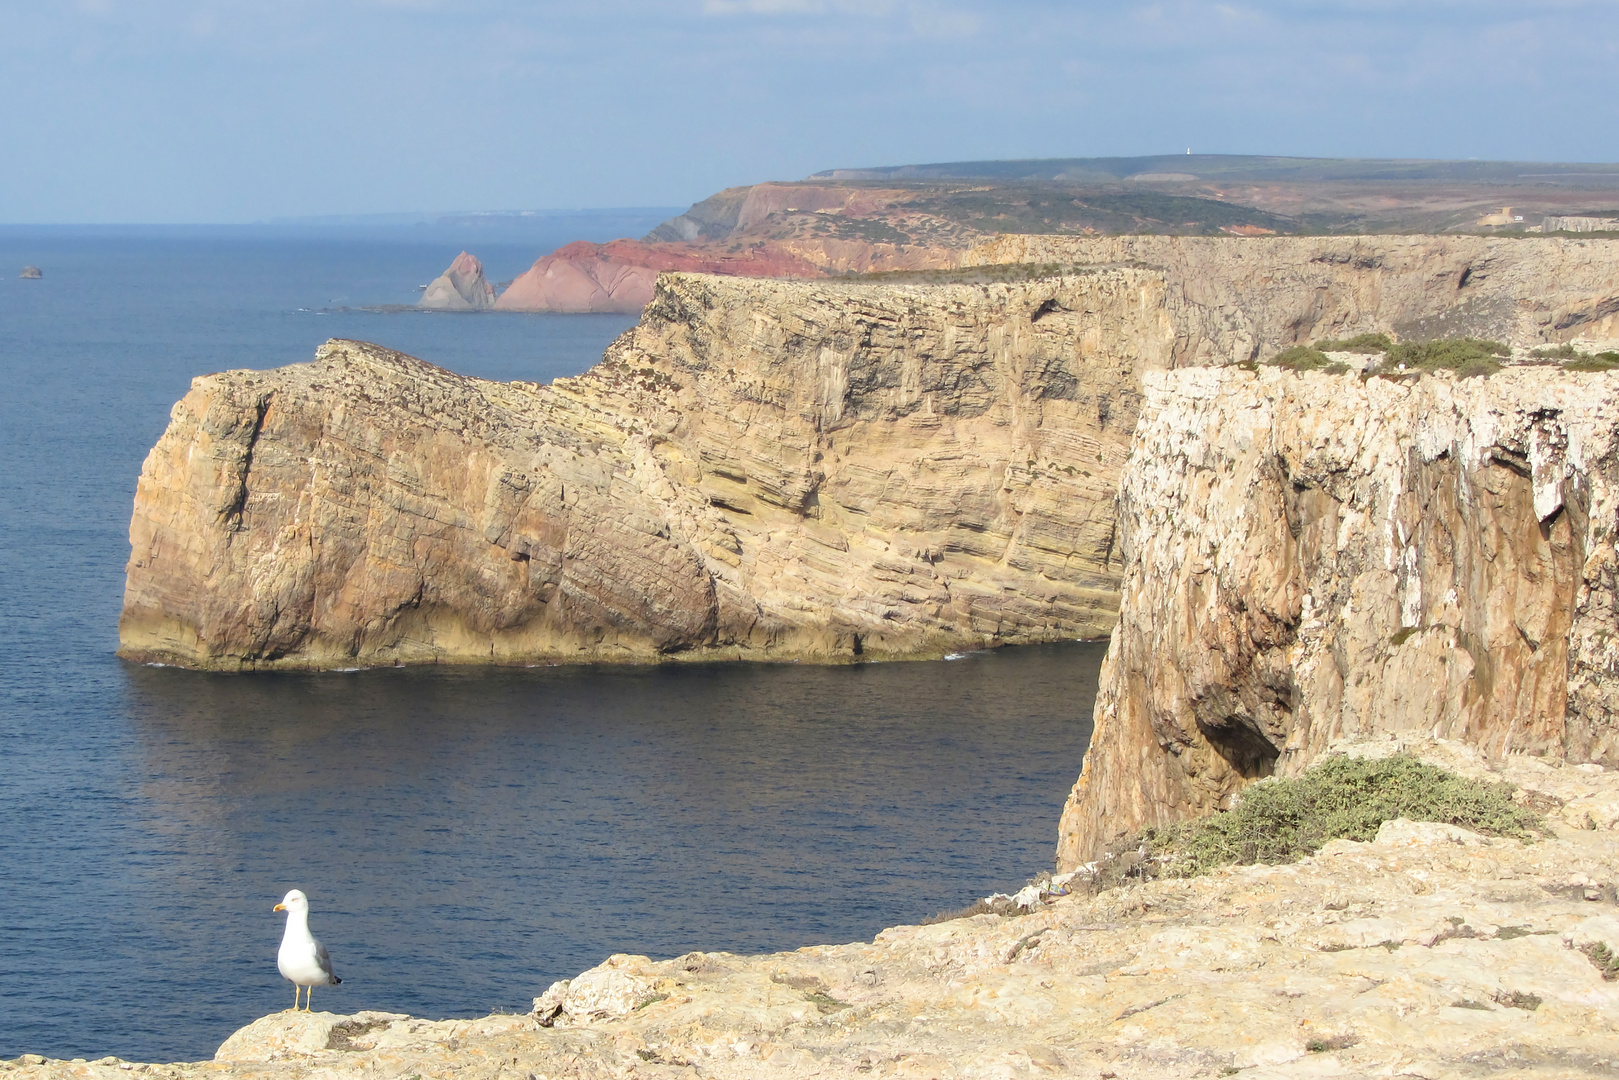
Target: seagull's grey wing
point(324, 959)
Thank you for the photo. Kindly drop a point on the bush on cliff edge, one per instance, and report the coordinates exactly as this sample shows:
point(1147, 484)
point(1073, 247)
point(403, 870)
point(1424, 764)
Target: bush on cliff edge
point(1279, 821)
point(1468, 357)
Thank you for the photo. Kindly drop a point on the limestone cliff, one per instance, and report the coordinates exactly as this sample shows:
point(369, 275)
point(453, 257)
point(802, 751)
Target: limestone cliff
point(759, 469)
point(460, 288)
point(1314, 557)
point(1241, 299)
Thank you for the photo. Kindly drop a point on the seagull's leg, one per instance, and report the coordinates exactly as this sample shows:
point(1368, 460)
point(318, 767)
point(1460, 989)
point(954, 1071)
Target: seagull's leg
point(294, 998)
point(309, 999)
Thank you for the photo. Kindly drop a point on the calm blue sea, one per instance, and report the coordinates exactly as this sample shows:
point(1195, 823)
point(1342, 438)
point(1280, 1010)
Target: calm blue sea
point(465, 837)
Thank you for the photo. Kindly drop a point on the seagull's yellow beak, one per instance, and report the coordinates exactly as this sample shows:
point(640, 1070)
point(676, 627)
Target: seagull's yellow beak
point(279, 907)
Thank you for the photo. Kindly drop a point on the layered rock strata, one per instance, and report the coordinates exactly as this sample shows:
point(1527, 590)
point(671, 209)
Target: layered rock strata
point(760, 469)
point(1313, 557)
point(460, 288)
point(1242, 299)
point(1430, 952)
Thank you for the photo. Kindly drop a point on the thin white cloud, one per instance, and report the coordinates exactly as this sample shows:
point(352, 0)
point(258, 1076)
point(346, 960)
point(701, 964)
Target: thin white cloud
point(764, 7)
point(932, 22)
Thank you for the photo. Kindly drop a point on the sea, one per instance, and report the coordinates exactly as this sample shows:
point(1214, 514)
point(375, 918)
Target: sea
point(465, 836)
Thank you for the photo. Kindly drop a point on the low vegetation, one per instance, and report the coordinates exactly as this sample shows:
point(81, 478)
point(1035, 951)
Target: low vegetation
point(1306, 358)
point(1603, 959)
point(972, 275)
point(1360, 343)
point(1466, 356)
point(1279, 821)
point(1602, 361)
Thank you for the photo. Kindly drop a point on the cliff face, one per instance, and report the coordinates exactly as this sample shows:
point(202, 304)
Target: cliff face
point(759, 469)
point(620, 275)
point(1235, 300)
point(1313, 557)
point(460, 288)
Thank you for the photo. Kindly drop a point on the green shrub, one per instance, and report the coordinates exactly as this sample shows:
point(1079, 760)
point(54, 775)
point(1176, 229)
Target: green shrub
point(1603, 959)
point(1564, 351)
point(1465, 356)
point(1361, 343)
point(1279, 821)
point(1602, 361)
point(1300, 358)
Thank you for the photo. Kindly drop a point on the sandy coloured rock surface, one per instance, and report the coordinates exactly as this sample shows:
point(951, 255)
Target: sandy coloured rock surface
point(1234, 300)
point(1314, 557)
point(760, 469)
point(1432, 952)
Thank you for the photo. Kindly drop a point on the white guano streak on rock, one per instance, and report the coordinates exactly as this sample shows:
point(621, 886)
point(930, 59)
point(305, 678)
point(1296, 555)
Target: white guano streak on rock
point(1428, 555)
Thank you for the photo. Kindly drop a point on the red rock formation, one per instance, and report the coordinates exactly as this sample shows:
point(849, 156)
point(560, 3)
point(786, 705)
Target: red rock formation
point(619, 275)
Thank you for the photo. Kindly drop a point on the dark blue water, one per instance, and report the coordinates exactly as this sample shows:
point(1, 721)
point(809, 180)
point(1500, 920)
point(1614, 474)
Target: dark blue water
point(465, 837)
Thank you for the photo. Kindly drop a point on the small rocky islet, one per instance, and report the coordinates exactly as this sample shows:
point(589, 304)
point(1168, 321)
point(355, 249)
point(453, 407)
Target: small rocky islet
point(1081, 436)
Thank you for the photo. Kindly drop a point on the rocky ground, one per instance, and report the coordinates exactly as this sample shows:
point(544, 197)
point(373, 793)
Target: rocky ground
point(1430, 952)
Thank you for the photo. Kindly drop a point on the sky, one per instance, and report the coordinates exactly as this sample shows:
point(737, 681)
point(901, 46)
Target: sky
point(199, 111)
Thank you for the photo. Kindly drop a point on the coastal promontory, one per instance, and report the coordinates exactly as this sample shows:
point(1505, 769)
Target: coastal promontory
point(884, 467)
point(760, 469)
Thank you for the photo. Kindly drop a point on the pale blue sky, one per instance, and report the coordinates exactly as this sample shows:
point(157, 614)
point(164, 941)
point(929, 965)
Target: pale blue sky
point(237, 110)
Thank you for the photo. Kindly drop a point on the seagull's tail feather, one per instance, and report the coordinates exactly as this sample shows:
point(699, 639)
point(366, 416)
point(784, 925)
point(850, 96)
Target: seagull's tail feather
point(335, 980)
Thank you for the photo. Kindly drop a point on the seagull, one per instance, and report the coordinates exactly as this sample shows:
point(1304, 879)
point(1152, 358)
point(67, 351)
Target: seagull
point(302, 959)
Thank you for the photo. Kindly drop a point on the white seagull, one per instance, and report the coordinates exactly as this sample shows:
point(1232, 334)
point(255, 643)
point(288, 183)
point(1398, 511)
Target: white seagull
point(302, 959)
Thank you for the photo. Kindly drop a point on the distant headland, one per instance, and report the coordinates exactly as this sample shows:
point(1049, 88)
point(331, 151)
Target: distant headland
point(925, 217)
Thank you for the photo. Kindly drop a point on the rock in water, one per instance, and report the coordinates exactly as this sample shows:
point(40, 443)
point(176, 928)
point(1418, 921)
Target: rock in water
point(31, 273)
point(725, 483)
point(460, 288)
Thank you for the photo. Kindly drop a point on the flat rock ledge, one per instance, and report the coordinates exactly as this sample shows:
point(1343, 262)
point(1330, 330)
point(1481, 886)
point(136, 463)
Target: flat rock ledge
point(1430, 952)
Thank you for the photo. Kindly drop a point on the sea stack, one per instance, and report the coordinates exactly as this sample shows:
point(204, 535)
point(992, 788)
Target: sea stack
point(31, 273)
point(460, 288)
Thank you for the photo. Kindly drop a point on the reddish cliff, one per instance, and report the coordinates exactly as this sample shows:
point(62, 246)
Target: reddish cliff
point(618, 276)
